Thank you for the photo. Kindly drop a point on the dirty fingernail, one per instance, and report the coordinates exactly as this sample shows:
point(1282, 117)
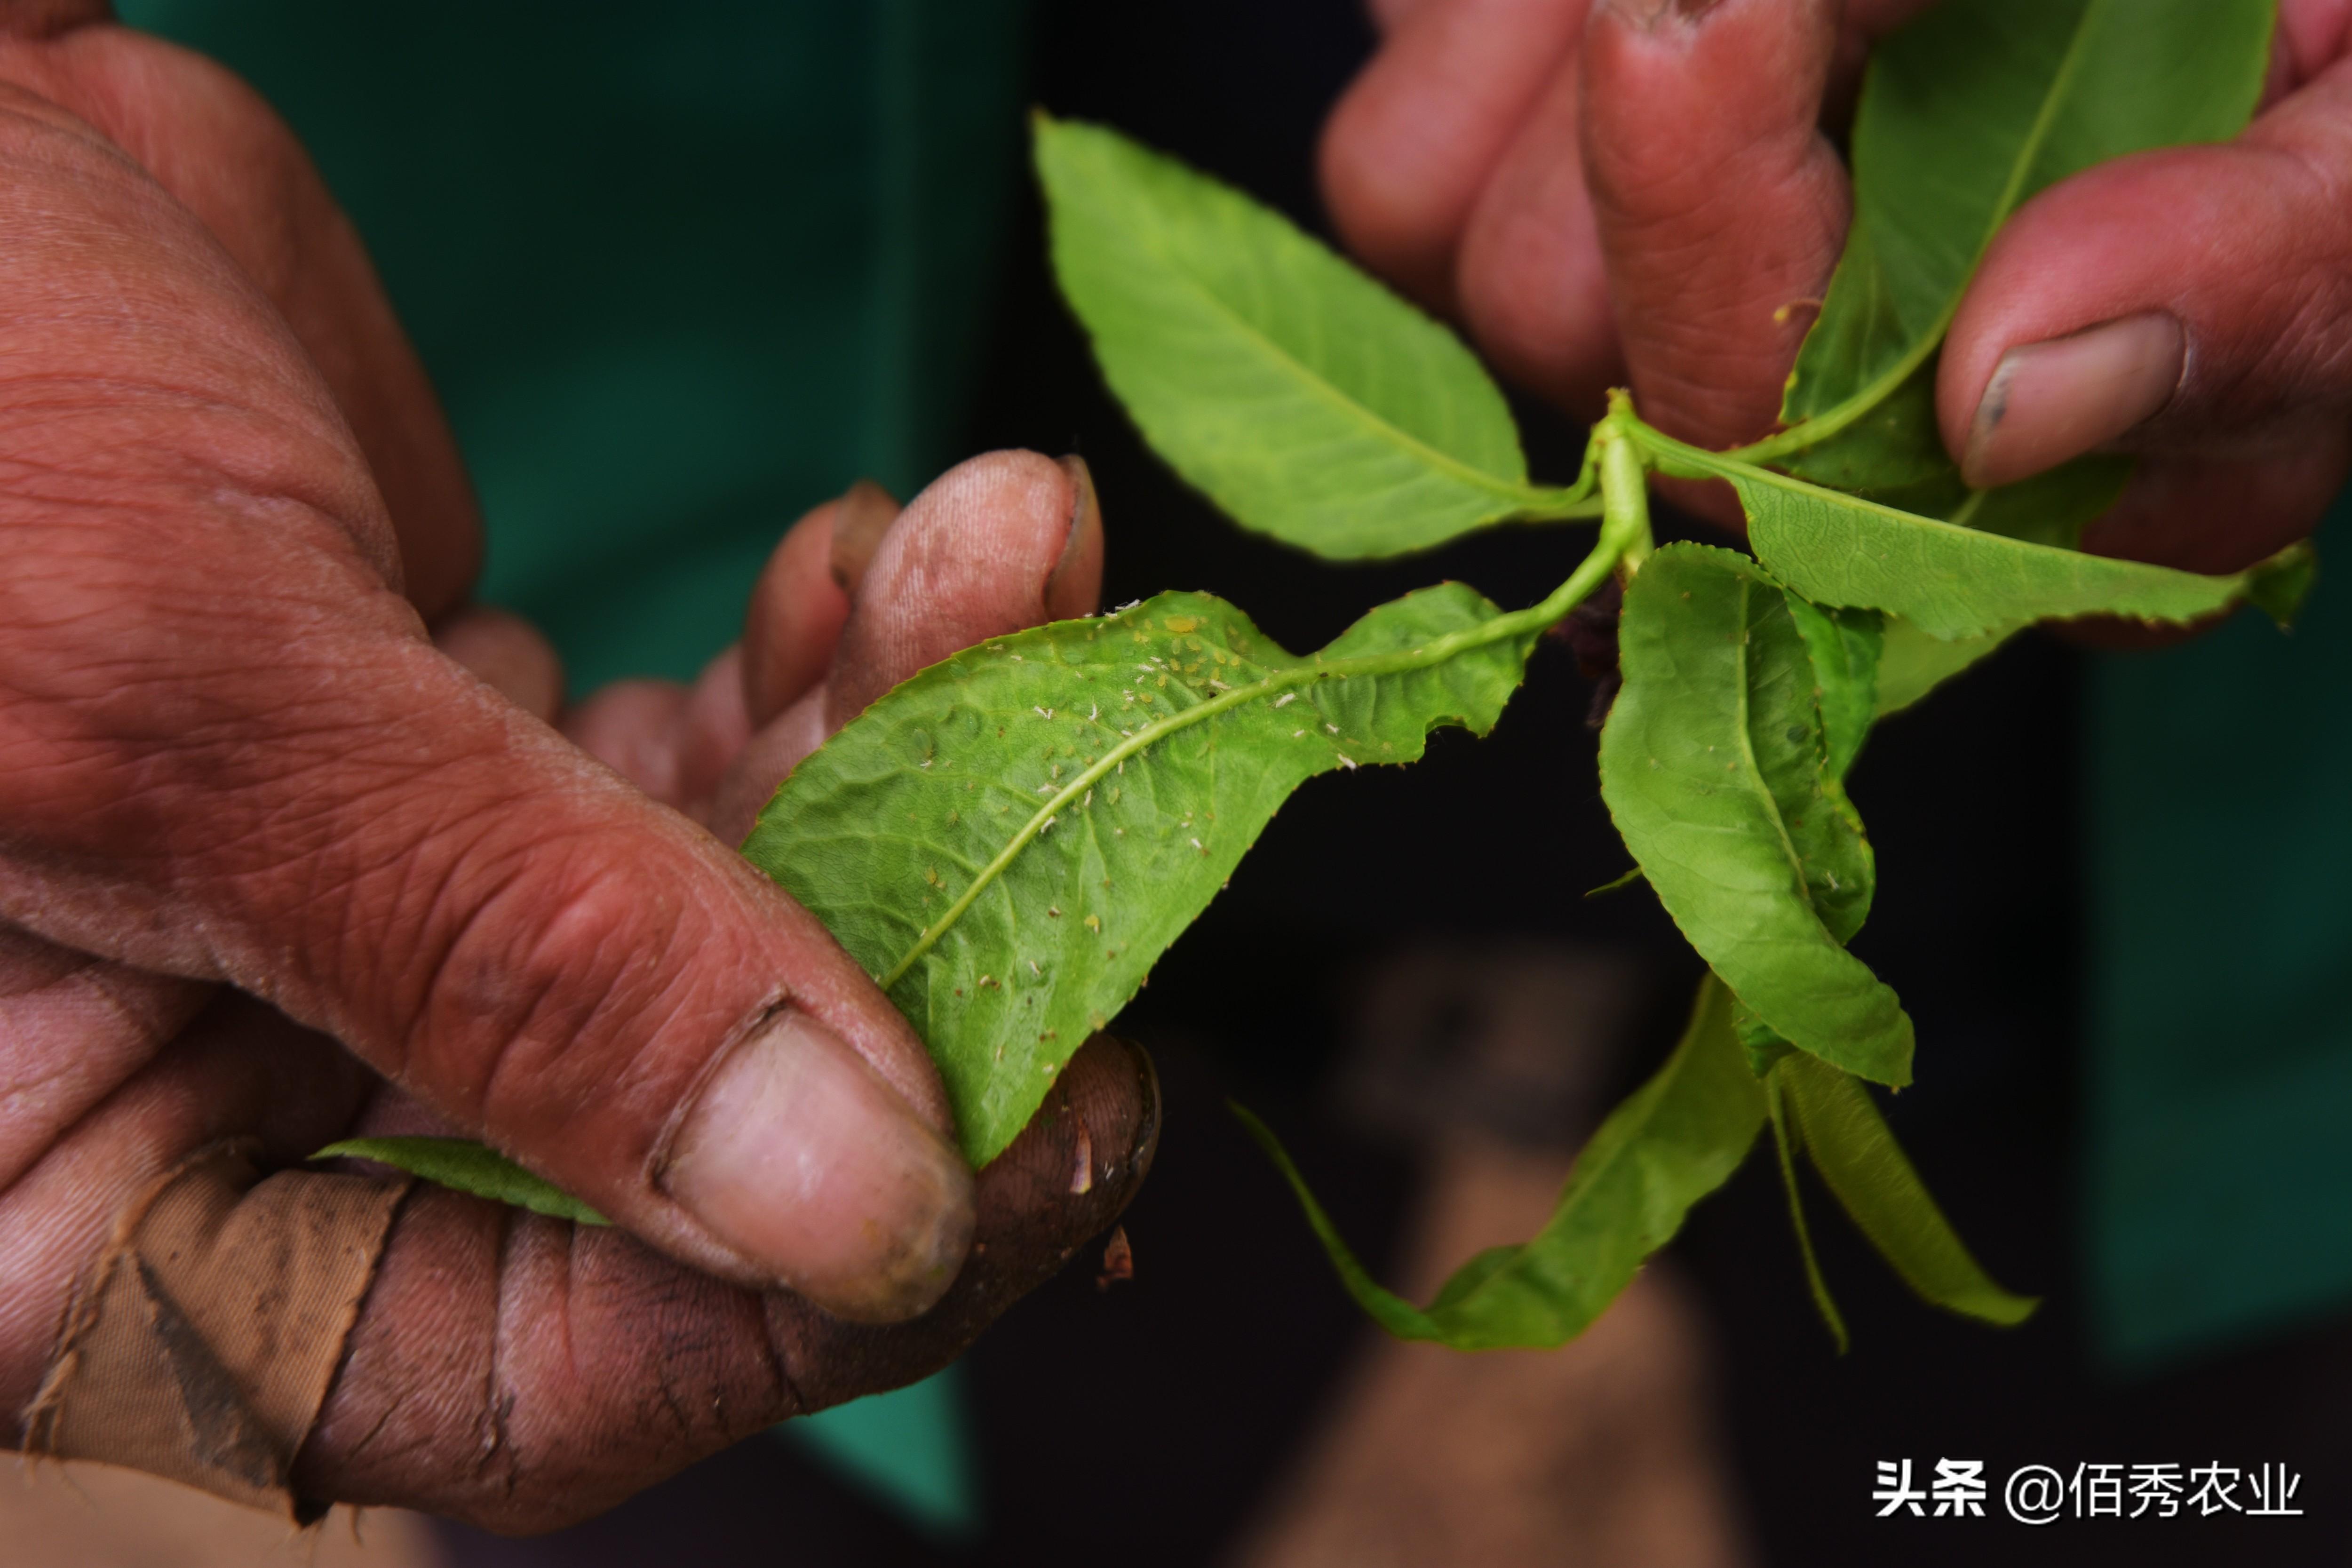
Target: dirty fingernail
point(2052, 401)
point(1648, 13)
point(866, 513)
point(800, 1156)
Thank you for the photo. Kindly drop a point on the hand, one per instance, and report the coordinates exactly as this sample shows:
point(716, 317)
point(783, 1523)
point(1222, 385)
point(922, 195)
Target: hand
point(253, 811)
point(1634, 192)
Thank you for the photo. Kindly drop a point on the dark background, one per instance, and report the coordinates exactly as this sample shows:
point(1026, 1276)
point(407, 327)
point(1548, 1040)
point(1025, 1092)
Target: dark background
point(1144, 1423)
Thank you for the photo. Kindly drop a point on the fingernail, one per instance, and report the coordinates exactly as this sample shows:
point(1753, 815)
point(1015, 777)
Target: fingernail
point(1647, 14)
point(800, 1156)
point(2051, 401)
point(1085, 510)
point(865, 514)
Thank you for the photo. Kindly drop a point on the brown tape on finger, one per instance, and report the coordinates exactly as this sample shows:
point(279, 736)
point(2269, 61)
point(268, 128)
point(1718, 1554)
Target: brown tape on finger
point(202, 1344)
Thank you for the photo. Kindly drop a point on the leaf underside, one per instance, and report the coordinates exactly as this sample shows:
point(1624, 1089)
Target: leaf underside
point(1714, 765)
point(1955, 583)
point(1009, 840)
point(1673, 1142)
point(1855, 1152)
point(1302, 397)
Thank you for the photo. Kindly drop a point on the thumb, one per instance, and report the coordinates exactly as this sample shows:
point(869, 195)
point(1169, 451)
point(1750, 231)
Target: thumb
point(2189, 301)
point(380, 845)
point(228, 751)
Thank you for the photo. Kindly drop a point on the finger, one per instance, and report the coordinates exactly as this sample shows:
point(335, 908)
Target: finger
point(237, 1070)
point(220, 151)
point(997, 545)
point(72, 1028)
point(798, 606)
point(506, 654)
point(1718, 199)
point(672, 740)
point(521, 1374)
point(1407, 151)
point(1533, 286)
point(2187, 301)
point(1000, 542)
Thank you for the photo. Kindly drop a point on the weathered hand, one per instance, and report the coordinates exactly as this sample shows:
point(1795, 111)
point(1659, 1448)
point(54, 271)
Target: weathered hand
point(1642, 192)
point(252, 811)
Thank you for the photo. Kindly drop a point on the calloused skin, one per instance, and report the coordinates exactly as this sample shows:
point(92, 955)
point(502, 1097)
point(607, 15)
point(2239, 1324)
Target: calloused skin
point(295, 845)
point(1642, 193)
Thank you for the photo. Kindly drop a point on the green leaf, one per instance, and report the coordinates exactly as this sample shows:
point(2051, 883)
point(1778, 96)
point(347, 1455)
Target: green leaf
point(1713, 764)
point(468, 1167)
point(1911, 663)
point(1671, 1142)
point(1950, 582)
point(1857, 1156)
point(1844, 648)
point(1010, 839)
point(1964, 114)
point(1784, 1141)
point(2280, 585)
point(1307, 401)
point(2048, 509)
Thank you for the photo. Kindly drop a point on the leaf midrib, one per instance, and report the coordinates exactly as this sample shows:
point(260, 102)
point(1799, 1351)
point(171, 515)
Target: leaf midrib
point(1730, 466)
point(1529, 497)
point(1436, 651)
point(1756, 785)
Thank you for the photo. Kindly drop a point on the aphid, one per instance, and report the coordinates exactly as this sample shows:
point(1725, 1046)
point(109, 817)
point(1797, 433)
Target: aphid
point(1094, 923)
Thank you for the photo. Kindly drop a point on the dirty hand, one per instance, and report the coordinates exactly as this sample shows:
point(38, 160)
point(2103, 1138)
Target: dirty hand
point(291, 851)
point(1634, 191)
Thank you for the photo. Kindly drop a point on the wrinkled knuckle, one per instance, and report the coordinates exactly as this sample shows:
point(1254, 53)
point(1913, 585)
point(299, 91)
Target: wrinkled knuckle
point(553, 948)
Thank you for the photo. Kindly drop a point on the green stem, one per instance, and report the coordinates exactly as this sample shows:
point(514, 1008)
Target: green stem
point(1624, 483)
